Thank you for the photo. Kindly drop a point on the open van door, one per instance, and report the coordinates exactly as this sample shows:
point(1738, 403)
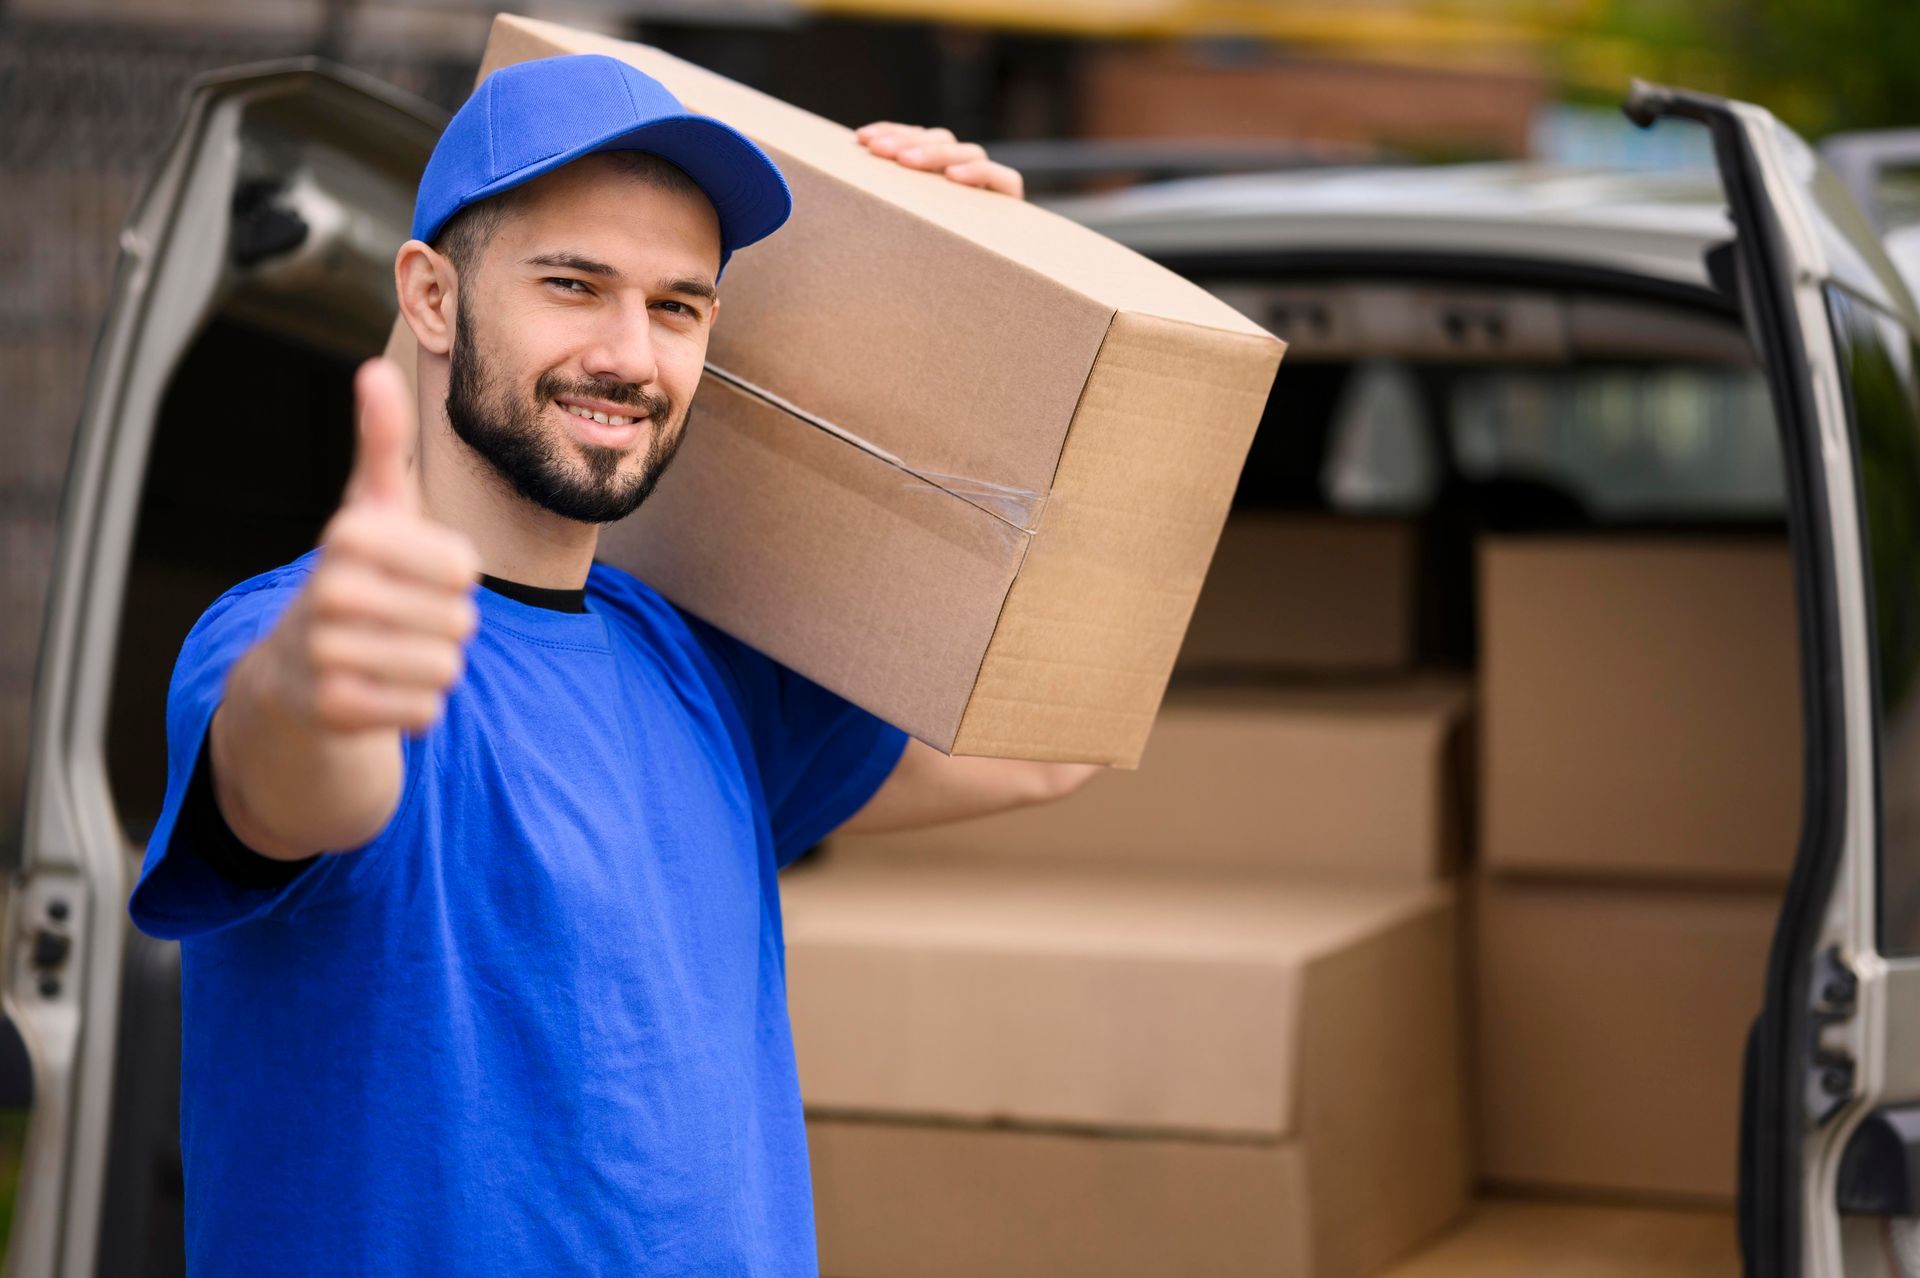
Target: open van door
point(213, 442)
point(1830, 1175)
point(1881, 168)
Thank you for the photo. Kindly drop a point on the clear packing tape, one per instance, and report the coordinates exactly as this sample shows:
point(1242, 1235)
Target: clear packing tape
point(1018, 508)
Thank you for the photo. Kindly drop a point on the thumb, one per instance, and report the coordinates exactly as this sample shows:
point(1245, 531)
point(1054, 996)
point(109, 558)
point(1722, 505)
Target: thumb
point(386, 436)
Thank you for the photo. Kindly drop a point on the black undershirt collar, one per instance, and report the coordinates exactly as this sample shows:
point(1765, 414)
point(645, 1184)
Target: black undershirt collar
point(538, 596)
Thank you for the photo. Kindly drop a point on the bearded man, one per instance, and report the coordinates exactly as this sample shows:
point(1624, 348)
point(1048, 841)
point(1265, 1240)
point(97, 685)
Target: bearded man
point(470, 841)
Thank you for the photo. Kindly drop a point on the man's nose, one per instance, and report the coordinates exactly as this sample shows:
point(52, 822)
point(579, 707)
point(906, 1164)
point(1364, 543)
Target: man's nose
point(624, 351)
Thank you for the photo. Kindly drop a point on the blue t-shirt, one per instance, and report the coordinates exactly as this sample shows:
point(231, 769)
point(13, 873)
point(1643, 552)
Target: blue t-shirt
point(538, 1025)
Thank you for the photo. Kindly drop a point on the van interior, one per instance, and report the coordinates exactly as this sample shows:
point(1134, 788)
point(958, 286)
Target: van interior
point(1423, 943)
point(1426, 939)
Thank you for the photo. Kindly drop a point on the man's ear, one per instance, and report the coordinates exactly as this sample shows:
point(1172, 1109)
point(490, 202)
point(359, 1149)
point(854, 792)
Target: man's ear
point(426, 283)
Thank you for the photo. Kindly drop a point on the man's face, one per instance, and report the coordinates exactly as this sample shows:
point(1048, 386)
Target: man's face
point(580, 335)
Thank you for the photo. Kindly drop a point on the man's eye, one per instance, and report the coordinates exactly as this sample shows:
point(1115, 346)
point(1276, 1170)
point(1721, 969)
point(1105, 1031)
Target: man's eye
point(566, 285)
point(679, 308)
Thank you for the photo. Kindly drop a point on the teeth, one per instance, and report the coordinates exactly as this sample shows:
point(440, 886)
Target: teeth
point(608, 419)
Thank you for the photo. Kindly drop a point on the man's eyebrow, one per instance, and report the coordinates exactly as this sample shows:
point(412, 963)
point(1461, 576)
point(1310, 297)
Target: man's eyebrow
point(574, 262)
point(692, 286)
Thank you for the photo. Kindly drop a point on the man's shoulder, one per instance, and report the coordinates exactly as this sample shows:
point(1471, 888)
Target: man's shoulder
point(288, 576)
point(265, 591)
point(658, 623)
point(633, 603)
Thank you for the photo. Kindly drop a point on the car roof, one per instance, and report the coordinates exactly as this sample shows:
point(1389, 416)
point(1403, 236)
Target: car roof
point(1642, 223)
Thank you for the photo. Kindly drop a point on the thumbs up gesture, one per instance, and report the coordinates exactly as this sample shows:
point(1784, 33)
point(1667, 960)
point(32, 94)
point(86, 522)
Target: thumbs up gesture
point(379, 633)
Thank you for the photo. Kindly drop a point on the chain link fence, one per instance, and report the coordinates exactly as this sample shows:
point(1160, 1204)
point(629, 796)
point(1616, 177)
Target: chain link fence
point(86, 112)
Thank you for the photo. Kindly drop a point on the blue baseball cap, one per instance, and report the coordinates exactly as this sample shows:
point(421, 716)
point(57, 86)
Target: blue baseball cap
point(532, 117)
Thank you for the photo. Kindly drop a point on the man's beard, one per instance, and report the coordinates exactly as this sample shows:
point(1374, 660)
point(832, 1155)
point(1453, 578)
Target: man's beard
point(509, 435)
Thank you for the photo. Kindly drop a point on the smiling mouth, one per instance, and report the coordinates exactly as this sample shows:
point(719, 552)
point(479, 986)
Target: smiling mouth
point(593, 415)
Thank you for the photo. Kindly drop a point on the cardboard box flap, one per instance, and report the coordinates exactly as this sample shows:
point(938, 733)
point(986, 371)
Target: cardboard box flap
point(1009, 306)
point(1111, 999)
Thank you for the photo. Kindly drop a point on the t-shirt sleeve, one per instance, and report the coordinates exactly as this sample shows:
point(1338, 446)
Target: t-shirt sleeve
point(820, 756)
point(187, 885)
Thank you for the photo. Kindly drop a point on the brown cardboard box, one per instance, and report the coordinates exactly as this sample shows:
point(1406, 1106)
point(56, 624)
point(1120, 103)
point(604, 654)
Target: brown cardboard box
point(1506, 1238)
point(1611, 1022)
point(914, 1200)
point(1304, 591)
point(1640, 707)
point(1080, 1040)
point(1364, 781)
point(956, 458)
point(1307, 592)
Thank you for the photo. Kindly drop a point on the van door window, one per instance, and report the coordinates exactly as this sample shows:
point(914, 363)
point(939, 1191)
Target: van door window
point(1880, 360)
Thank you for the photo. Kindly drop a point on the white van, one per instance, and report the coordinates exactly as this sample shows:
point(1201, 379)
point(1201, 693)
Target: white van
point(256, 272)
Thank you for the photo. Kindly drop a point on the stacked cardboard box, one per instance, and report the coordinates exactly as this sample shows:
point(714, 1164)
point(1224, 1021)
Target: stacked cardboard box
point(1198, 1018)
point(1359, 781)
point(1018, 1069)
point(1308, 592)
point(1640, 783)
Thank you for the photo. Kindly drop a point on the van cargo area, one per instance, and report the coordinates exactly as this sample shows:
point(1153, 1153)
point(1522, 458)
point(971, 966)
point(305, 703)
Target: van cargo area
point(1423, 942)
point(1426, 939)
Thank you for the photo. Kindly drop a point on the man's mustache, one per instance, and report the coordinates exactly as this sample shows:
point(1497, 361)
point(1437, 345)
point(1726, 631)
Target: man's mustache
point(650, 403)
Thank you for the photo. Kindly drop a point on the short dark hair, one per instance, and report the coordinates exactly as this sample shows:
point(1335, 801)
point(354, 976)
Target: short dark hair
point(466, 234)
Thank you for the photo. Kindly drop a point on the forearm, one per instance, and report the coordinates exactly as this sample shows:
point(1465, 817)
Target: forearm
point(930, 788)
point(289, 788)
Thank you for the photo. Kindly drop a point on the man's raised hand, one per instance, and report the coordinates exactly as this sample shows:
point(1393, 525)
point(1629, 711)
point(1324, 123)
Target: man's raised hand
point(378, 636)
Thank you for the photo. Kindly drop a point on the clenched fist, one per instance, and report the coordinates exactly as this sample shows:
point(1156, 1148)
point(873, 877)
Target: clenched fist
point(378, 636)
point(305, 742)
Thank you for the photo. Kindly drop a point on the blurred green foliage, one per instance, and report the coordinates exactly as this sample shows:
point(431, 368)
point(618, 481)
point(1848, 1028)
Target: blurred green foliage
point(13, 1136)
point(1821, 65)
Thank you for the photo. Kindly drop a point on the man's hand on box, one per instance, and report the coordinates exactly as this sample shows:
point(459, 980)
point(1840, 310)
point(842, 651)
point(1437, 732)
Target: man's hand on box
point(937, 151)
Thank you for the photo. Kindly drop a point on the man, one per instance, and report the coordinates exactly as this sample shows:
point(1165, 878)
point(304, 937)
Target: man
point(482, 963)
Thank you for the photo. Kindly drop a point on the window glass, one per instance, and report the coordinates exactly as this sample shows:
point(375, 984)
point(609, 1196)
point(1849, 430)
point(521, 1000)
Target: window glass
point(1629, 440)
point(1878, 364)
point(1899, 196)
point(1625, 442)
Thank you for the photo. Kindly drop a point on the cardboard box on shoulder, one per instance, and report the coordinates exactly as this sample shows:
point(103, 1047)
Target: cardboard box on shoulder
point(956, 458)
point(1640, 708)
point(1308, 592)
point(1611, 1023)
point(1367, 781)
point(1099, 1071)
